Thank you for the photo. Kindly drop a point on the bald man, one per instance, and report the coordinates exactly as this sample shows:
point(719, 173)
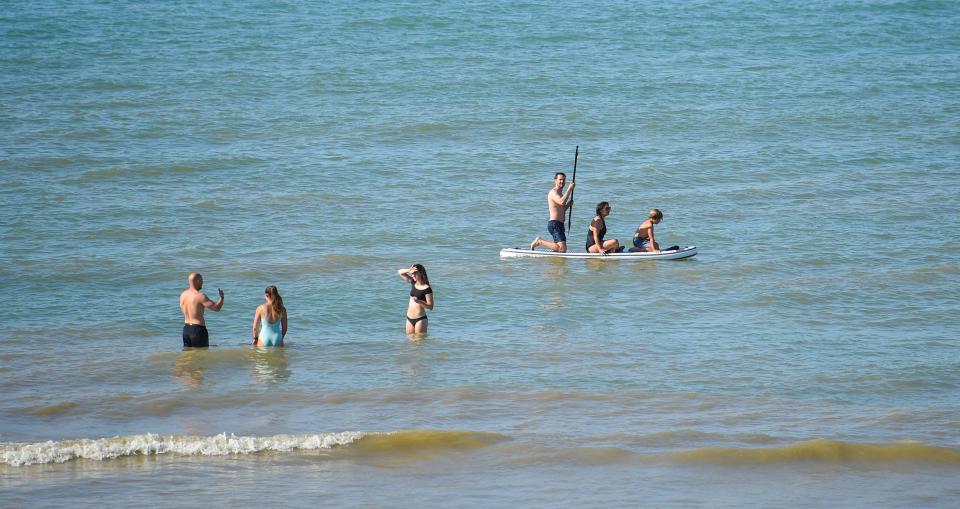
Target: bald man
point(192, 302)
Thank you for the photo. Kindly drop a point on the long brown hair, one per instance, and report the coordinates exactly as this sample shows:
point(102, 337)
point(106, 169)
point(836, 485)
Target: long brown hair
point(423, 274)
point(276, 302)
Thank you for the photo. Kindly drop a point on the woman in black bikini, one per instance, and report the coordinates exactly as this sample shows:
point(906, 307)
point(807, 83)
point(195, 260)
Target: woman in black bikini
point(421, 298)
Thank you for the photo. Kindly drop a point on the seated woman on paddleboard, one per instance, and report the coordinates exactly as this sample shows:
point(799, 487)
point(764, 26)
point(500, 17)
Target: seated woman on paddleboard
point(421, 298)
point(598, 228)
point(643, 240)
point(270, 319)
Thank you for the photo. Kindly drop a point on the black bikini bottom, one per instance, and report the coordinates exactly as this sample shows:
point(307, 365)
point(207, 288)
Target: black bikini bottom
point(413, 321)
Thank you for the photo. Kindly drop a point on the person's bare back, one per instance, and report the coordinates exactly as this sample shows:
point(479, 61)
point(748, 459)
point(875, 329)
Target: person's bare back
point(192, 304)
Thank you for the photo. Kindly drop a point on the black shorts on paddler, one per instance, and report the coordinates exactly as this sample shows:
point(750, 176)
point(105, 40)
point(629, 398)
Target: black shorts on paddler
point(557, 230)
point(195, 335)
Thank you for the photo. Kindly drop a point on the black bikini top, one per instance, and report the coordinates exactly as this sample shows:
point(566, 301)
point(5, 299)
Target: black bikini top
point(418, 293)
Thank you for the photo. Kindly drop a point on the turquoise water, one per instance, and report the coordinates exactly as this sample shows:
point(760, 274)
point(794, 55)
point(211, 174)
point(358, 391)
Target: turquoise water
point(805, 357)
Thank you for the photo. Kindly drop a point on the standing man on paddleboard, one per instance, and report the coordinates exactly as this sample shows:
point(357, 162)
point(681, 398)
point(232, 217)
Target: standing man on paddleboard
point(192, 303)
point(558, 204)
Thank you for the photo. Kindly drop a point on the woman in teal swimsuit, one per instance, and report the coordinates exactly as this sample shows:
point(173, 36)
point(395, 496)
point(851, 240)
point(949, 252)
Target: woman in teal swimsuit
point(421, 298)
point(270, 320)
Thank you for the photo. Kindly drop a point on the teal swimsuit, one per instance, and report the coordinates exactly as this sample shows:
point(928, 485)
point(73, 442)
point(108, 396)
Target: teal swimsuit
point(270, 333)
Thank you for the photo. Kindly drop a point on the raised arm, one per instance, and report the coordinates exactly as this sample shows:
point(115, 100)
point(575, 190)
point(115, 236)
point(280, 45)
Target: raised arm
point(405, 274)
point(211, 305)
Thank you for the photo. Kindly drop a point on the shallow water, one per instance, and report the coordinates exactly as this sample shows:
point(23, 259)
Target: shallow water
point(805, 357)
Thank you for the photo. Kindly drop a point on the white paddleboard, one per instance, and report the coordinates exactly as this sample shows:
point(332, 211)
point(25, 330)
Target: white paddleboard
point(683, 252)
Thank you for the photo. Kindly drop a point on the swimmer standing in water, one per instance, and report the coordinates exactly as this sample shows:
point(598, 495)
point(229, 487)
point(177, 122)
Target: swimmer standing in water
point(270, 319)
point(192, 304)
point(421, 298)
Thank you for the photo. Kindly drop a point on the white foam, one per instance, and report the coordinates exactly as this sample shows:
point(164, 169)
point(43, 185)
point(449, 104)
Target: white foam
point(19, 454)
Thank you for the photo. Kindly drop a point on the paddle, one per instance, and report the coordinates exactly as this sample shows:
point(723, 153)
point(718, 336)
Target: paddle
point(576, 155)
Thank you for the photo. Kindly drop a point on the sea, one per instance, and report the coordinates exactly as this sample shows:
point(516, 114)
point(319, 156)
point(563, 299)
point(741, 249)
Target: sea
point(806, 357)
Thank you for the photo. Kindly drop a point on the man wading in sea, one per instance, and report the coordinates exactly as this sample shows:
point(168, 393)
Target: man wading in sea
point(192, 302)
point(558, 205)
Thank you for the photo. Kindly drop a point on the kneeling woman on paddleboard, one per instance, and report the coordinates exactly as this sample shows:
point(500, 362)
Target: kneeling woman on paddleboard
point(421, 298)
point(598, 228)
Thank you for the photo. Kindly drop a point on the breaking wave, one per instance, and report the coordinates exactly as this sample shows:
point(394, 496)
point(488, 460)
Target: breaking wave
point(424, 444)
point(399, 442)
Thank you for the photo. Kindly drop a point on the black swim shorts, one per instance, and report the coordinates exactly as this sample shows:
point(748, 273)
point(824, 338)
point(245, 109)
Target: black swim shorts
point(557, 230)
point(195, 335)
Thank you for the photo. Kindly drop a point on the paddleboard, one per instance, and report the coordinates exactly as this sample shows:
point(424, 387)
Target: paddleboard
point(683, 252)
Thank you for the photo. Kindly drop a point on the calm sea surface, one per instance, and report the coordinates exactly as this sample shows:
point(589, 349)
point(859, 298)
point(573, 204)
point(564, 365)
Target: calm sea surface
point(807, 357)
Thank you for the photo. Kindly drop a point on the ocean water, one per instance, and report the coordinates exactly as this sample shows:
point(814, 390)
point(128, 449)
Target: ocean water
point(806, 357)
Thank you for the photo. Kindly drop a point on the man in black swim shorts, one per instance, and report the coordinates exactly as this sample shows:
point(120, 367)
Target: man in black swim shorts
point(192, 303)
point(557, 230)
point(558, 202)
point(195, 335)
